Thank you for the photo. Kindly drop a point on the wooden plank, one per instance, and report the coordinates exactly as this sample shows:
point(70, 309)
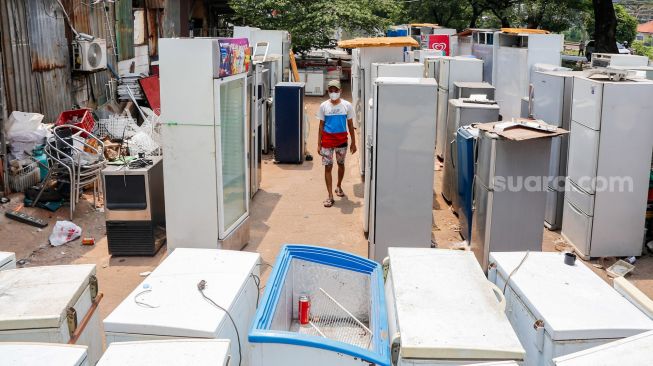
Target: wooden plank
point(293, 66)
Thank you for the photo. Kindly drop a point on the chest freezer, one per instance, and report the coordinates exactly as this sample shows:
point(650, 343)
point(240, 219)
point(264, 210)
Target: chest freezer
point(634, 351)
point(7, 260)
point(52, 304)
point(40, 354)
point(178, 352)
point(346, 324)
point(168, 303)
point(443, 311)
point(557, 309)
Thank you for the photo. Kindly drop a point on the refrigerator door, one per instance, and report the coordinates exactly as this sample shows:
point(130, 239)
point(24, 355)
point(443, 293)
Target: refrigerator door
point(511, 80)
point(635, 350)
point(441, 122)
point(444, 72)
point(466, 146)
point(583, 156)
point(482, 203)
point(587, 103)
point(231, 163)
point(290, 120)
point(548, 98)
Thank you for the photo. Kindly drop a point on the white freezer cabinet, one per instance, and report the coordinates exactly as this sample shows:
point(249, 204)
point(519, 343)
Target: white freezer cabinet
point(52, 304)
point(557, 309)
point(632, 351)
point(168, 303)
point(443, 311)
point(42, 354)
point(7, 260)
point(177, 352)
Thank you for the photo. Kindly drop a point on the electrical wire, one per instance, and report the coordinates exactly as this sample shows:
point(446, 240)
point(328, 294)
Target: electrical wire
point(201, 286)
point(514, 271)
point(257, 282)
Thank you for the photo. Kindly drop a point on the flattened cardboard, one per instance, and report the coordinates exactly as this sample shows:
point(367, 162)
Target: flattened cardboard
point(519, 133)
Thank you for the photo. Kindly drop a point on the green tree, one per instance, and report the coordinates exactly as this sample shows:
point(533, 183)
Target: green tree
point(626, 25)
point(552, 15)
point(313, 23)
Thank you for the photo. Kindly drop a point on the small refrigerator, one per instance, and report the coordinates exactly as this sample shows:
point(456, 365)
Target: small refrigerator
point(509, 200)
point(55, 304)
point(289, 123)
point(41, 354)
point(315, 82)
point(463, 196)
point(557, 309)
point(443, 311)
point(7, 260)
point(462, 112)
point(168, 303)
point(635, 351)
point(465, 89)
point(204, 138)
point(451, 70)
point(400, 200)
point(169, 352)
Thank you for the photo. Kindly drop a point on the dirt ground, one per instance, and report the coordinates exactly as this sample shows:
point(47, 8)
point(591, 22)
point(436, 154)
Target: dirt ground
point(287, 209)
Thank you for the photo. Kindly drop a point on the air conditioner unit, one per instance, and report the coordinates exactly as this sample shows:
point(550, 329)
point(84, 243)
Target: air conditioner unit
point(89, 55)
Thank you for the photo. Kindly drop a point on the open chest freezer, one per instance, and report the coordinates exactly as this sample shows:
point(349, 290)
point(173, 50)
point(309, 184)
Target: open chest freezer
point(168, 303)
point(41, 354)
point(346, 324)
point(177, 352)
point(7, 260)
point(632, 351)
point(557, 309)
point(443, 311)
point(52, 304)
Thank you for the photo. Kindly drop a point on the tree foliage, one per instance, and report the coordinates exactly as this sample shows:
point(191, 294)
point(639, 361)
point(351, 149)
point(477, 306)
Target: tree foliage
point(626, 25)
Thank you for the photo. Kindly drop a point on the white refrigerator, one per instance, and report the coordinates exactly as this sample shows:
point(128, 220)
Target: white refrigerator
point(400, 200)
point(204, 138)
point(7, 260)
point(174, 352)
point(483, 48)
point(635, 351)
point(168, 303)
point(41, 354)
point(443, 311)
point(557, 309)
point(451, 70)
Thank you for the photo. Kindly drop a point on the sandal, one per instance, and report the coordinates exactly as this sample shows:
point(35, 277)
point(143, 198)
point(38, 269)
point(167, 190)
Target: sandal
point(329, 202)
point(340, 192)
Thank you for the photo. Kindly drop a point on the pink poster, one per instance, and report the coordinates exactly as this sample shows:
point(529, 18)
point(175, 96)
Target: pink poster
point(439, 42)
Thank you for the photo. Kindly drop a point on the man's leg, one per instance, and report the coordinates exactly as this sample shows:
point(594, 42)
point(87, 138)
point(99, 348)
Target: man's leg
point(329, 179)
point(341, 173)
point(340, 159)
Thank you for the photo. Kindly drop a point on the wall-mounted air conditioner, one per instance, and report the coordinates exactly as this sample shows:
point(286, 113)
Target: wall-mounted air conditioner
point(89, 55)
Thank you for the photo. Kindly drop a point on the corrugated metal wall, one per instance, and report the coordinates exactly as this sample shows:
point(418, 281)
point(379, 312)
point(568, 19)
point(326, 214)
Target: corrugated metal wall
point(125, 29)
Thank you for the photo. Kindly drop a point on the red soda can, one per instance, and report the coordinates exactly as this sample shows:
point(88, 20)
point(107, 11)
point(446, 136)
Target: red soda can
point(304, 309)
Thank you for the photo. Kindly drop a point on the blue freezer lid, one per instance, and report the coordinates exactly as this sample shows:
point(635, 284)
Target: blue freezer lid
point(260, 332)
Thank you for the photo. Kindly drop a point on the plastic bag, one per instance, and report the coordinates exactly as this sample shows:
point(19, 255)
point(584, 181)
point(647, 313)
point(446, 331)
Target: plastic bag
point(24, 132)
point(63, 232)
point(22, 122)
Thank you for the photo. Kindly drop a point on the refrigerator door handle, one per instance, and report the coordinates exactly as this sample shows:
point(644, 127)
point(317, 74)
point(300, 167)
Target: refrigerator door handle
point(451, 150)
point(500, 296)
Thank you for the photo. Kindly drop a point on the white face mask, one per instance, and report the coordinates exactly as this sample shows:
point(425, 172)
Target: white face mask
point(334, 96)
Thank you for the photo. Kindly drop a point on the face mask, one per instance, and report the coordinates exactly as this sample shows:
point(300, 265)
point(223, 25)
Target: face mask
point(334, 96)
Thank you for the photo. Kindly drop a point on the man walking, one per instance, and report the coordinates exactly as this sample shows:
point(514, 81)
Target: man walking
point(336, 118)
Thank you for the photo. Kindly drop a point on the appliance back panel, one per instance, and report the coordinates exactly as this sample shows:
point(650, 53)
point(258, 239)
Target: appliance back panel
point(134, 238)
point(289, 123)
point(125, 192)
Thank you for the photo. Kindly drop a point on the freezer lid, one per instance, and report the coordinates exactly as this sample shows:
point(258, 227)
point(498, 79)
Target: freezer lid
point(6, 257)
point(635, 350)
point(39, 354)
point(38, 297)
point(178, 352)
point(210, 261)
point(468, 321)
point(573, 301)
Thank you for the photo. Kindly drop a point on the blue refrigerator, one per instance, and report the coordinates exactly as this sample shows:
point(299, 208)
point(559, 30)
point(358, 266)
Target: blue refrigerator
point(466, 142)
point(289, 123)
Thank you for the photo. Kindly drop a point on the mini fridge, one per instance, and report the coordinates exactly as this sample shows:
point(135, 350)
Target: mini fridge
point(463, 196)
point(168, 303)
point(557, 309)
point(635, 351)
point(289, 123)
point(7, 260)
point(462, 112)
point(443, 311)
point(204, 138)
point(399, 205)
point(41, 354)
point(54, 304)
point(173, 352)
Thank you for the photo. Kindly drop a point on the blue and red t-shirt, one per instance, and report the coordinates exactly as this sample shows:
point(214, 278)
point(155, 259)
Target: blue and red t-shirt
point(335, 118)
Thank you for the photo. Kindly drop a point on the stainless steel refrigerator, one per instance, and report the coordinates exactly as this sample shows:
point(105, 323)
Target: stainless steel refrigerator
point(507, 215)
point(400, 201)
point(452, 69)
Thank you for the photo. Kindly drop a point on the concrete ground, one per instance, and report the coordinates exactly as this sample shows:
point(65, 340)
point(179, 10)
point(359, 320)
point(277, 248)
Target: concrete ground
point(287, 209)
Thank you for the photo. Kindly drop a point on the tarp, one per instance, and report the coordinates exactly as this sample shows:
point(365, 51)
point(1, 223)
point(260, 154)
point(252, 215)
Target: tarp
point(379, 42)
point(524, 31)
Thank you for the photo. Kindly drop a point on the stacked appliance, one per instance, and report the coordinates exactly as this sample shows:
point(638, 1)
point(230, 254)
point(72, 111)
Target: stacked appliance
point(39, 354)
point(56, 304)
point(465, 89)
point(635, 350)
point(134, 208)
point(452, 69)
point(178, 300)
point(462, 112)
point(557, 309)
point(508, 212)
point(432, 67)
point(278, 44)
point(204, 136)
point(270, 79)
point(258, 93)
point(552, 102)
point(483, 49)
point(174, 352)
point(289, 123)
point(466, 137)
point(400, 185)
point(8, 260)
point(442, 310)
point(315, 79)
point(609, 165)
point(514, 54)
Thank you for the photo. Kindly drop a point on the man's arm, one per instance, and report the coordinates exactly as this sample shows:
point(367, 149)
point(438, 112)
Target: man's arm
point(319, 138)
point(352, 134)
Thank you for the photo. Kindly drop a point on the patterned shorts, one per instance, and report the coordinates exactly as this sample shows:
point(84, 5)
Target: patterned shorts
point(327, 155)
